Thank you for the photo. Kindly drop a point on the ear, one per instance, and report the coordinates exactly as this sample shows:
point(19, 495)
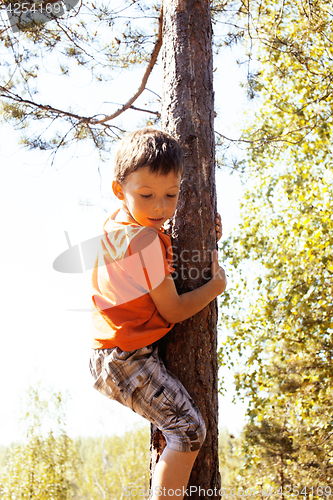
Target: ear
point(117, 190)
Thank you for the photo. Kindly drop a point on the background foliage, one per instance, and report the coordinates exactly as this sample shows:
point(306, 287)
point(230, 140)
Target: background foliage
point(279, 312)
point(44, 464)
point(47, 464)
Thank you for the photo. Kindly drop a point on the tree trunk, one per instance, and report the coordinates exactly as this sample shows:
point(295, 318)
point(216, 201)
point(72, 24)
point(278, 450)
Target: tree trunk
point(190, 349)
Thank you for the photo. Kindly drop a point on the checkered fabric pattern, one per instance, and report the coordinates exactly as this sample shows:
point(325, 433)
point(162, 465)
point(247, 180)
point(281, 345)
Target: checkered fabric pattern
point(138, 379)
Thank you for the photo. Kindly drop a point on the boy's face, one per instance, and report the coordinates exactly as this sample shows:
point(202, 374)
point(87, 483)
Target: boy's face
point(147, 198)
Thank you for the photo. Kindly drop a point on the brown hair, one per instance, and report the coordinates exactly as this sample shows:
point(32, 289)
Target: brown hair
point(148, 147)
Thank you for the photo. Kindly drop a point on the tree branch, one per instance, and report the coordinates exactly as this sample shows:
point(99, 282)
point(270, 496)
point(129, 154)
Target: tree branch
point(6, 93)
point(153, 59)
point(45, 107)
point(157, 113)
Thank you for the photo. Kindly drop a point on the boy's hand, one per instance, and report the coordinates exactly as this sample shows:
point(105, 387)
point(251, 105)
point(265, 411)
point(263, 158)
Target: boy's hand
point(218, 223)
point(175, 308)
point(218, 273)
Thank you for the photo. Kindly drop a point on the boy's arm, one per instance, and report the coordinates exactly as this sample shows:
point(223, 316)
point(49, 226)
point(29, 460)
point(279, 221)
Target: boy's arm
point(175, 308)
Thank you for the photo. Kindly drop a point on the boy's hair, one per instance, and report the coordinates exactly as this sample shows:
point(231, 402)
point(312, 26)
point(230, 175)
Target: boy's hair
point(148, 147)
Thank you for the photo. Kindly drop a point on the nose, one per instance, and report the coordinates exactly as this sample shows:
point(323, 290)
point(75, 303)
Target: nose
point(159, 205)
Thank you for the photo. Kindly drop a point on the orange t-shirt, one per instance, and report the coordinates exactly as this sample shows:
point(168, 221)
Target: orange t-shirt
point(132, 260)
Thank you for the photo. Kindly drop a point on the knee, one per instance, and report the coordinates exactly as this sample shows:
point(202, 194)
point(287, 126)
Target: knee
point(198, 436)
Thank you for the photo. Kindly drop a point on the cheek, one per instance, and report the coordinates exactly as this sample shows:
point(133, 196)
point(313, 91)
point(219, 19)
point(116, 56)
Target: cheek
point(131, 200)
point(175, 201)
point(172, 205)
point(138, 204)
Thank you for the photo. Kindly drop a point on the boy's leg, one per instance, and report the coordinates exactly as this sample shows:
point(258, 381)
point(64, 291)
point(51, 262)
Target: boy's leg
point(172, 473)
point(138, 379)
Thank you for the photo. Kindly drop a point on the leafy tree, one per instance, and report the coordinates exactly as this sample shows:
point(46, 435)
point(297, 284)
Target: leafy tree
point(3, 456)
point(114, 467)
point(280, 312)
point(43, 465)
point(283, 333)
point(229, 459)
point(289, 54)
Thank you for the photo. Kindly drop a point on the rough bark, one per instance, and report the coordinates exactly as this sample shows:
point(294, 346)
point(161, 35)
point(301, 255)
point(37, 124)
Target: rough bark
point(189, 350)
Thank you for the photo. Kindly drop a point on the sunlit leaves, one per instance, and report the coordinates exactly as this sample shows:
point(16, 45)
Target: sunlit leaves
point(48, 465)
point(44, 464)
point(113, 465)
point(279, 313)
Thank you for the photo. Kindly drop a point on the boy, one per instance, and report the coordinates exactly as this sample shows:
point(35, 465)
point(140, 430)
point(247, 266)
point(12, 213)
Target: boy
point(136, 303)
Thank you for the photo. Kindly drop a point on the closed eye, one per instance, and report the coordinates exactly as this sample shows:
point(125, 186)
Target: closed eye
point(172, 195)
point(145, 195)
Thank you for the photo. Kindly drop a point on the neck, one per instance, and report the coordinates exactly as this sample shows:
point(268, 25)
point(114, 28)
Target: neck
point(124, 216)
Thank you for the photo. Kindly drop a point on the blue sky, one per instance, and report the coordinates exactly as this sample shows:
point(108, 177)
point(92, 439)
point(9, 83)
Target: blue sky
point(41, 339)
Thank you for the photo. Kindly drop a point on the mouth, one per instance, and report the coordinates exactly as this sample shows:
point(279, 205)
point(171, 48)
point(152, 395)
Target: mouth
point(156, 219)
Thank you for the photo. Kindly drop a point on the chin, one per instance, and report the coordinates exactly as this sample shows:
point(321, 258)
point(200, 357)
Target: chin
point(158, 222)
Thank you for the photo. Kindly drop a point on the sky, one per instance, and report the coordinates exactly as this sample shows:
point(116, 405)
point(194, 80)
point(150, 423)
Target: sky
point(42, 339)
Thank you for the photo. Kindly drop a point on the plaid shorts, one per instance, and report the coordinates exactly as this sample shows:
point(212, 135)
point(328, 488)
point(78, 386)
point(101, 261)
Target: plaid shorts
point(138, 379)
